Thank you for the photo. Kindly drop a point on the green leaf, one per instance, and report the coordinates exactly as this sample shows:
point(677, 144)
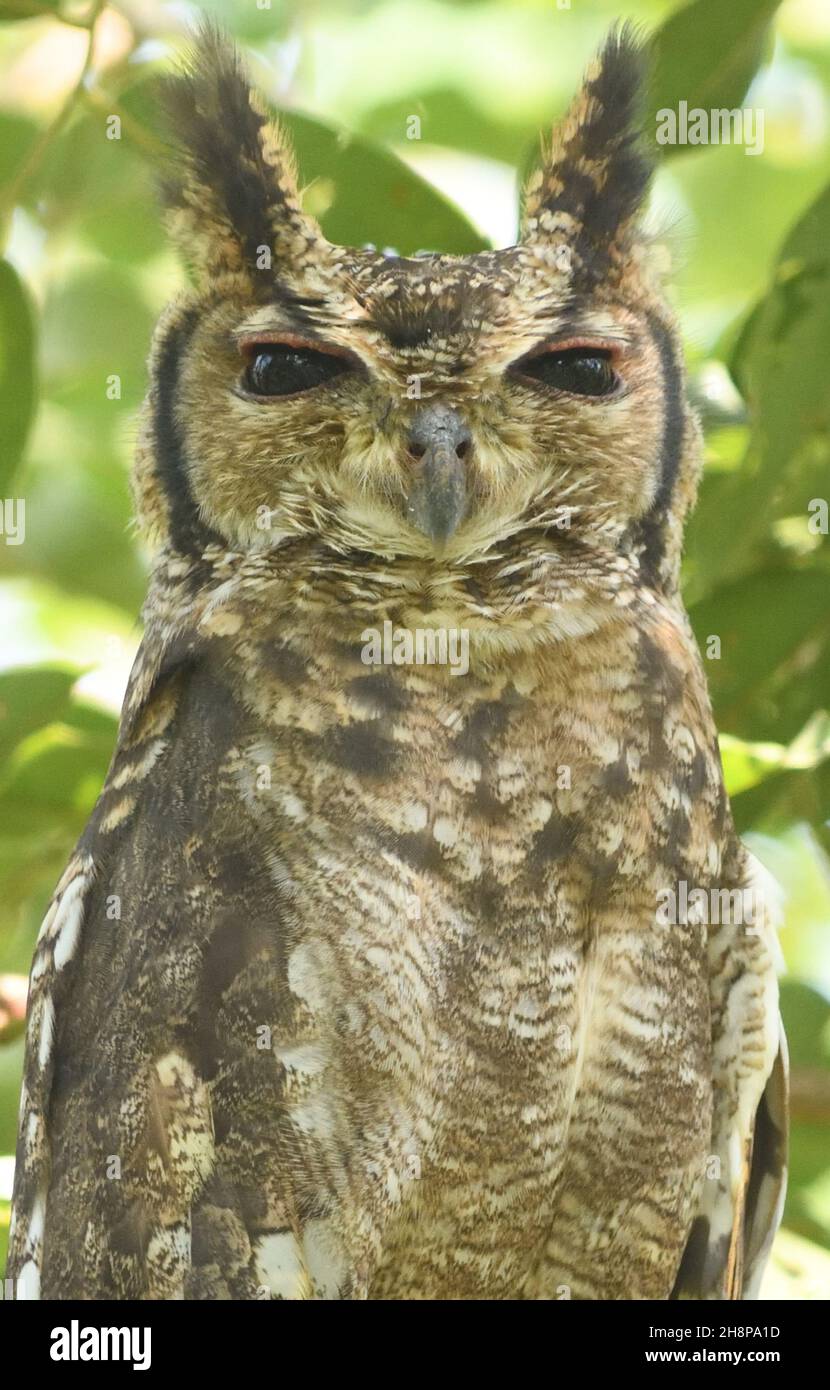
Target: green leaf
point(781, 363)
point(707, 54)
point(806, 1016)
point(363, 193)
point(359, 191)
point(745, 763)
point(784, 798)
point(55, 778)
point(96, 326)
point(102, 187)
point(772, 785)
point(800, 866)
point(31, 696)
point(5, 1216)
point(17, 372)
point(782, 359)
point(250, 22)
point(798, 1270)
point(17, 134)
point(453, 119)
point(11, 10)
point(11, 1070)
point(774, 630)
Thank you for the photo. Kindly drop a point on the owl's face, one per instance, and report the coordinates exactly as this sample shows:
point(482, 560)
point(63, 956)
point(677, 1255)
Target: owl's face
point(436, 410)
point(426, 406)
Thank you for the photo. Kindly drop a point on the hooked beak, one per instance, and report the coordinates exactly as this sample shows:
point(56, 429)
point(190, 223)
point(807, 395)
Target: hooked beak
point(440, 442)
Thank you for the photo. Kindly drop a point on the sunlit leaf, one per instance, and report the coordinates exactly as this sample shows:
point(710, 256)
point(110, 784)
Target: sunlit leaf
point(782, 359)
point(799, 864)
point(781, 364)
point(16, 135)
point(774, 630)
point(745, 764)
point(404, 211)
point(707, 54)
point(798, 1269)
point(5, 1216)
point(29, 698)
point(11, 1066)
point(806, 1015)
point(58, 768)
point(449, 117)
point(25, 9)
point(17, 372)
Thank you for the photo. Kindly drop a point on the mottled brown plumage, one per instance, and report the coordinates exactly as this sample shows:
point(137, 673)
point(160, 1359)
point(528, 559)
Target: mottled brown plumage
point(356, 985)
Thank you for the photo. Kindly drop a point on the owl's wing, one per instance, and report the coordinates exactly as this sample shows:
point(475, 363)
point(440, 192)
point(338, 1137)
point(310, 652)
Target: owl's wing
point(56, 940)
point(152, 1131)
point(80, 904)
point(745, 1185)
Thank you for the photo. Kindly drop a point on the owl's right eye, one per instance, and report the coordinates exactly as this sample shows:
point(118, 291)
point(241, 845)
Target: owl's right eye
point(579, 370)
point(281, 369)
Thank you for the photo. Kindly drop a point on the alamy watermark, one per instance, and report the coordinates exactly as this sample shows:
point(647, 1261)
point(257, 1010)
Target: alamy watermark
point(720, 126)
point(77, 1343)
point(683, 905)
point(13, 520)
point(419, 646)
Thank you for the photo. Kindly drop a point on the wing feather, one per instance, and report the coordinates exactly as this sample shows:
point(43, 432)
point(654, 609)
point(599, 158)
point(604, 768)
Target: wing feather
point(743, 1192)
point(148, 713)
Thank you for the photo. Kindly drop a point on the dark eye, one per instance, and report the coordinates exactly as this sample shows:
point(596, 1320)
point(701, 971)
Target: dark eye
point(582, 371)
point(277, 369)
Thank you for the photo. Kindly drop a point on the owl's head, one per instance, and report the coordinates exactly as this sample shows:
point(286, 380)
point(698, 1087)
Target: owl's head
point(435, 414)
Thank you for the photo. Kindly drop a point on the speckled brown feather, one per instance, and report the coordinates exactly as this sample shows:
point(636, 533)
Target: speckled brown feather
point(587, 195)
point(386, 1010)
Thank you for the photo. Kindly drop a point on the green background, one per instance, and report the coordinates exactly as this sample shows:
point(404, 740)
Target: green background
point(86, 271)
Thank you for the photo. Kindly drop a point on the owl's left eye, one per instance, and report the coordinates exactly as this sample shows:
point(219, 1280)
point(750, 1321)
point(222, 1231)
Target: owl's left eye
point(581, 371)
point(280, 369)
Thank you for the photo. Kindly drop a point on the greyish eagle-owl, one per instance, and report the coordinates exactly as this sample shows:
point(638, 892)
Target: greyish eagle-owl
point(361, 982)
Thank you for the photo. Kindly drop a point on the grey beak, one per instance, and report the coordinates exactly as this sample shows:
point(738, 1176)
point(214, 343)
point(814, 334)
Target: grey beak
point(440, 441)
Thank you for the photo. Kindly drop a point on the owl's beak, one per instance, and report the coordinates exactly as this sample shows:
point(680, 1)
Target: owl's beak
point(440, 441)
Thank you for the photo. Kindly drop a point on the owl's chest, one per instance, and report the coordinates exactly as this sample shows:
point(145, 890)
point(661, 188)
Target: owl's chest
point(475, 944)
point(482, 859)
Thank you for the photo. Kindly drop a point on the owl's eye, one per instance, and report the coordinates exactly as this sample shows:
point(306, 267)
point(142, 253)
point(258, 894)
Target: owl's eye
point(280, 369)
point(582, 371)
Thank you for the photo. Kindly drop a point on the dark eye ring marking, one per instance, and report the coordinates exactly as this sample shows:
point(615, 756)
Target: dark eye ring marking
point(289, 366)
point(574, 367)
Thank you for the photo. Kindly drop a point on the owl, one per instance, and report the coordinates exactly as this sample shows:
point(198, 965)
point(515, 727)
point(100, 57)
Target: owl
point(410, 951)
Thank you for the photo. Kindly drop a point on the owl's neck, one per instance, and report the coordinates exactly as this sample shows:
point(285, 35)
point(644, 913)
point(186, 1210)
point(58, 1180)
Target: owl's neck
point(481, 614)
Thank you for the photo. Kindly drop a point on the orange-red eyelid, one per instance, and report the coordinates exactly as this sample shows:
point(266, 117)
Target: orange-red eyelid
point(609, 345)
point(250, 342)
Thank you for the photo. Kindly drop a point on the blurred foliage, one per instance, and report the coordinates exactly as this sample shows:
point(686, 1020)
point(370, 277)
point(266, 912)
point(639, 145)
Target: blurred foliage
point(86, 270)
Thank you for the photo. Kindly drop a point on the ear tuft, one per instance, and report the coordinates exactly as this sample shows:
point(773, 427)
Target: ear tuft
point(594, 178)
point(231, 188)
